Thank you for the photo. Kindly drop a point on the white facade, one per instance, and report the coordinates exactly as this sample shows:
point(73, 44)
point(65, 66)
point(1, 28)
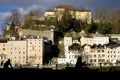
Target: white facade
point(113, 54)
point(72, 55)
point(106, 55)
point(101, 40)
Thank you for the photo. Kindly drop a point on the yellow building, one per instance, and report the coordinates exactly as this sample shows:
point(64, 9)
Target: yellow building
point(17, 51)
point(35, 51)
point(79, 14)
point(86, 40)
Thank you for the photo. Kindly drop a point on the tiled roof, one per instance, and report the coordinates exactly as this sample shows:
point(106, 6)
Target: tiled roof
point(75, 46)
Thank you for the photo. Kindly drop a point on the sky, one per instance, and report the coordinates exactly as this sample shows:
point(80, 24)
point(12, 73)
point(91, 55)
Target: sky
point(25, 5)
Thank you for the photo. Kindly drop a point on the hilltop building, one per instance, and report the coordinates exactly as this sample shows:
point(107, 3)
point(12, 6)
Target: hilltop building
point(79, 14)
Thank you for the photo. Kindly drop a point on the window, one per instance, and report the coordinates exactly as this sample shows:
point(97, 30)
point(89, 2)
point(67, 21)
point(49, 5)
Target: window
point(111, 56)
point(69, 57)
point(98, 50)
point(3, 48)
point(99, 60)
point(95, 60)
point(111, 51)
point(99, 55)
point(103, 55)
point(114, 56)
point(75, 56)
point(102, 50)
point(90, 55)
point(103, 60)
point(23, 57)
point(94, 55)
point(91, 60)
point(114, 51)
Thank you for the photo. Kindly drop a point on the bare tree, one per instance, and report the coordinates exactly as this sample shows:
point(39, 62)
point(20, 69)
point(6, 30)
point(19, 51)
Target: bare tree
point(15, 17)
point(28, 19)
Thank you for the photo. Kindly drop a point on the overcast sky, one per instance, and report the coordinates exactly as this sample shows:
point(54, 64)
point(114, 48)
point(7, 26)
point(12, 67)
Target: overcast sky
point(25, 5)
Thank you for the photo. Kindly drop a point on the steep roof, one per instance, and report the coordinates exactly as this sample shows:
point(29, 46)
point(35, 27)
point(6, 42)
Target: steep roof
point(75, 46)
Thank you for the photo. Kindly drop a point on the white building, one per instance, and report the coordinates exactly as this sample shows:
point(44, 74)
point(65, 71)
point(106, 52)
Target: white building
point(101, 40)
point(74, 52)
point(106, 54)
point(112, 53)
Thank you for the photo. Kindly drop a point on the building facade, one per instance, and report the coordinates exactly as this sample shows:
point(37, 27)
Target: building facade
point(86, 40)
point(17, 51)
point(3, 50)
point(35, 49)
point(79, 14)
point(101, 40)
point(107, 55)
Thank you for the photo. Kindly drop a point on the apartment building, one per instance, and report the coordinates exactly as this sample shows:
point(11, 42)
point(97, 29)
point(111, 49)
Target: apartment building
point(74, 51)
point(21, 52)
point(17, 51)
point(112, 53)
point(97, 55)
point(108, 54)
point(35, 51)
